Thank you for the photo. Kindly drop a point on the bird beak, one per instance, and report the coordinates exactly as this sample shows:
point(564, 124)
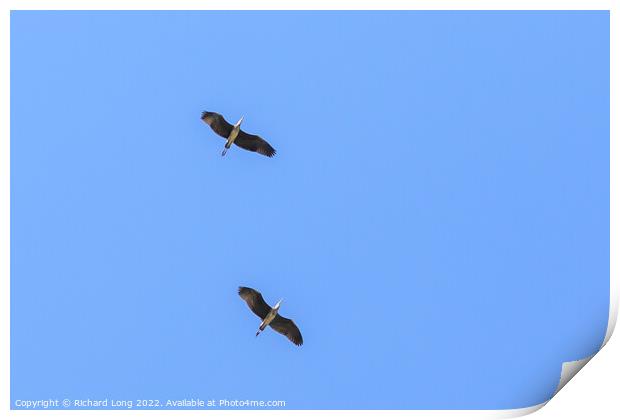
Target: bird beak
point(239, 122)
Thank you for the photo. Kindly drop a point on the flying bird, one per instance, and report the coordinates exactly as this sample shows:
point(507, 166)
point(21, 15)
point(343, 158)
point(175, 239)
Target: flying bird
point(270, 315)
point(234, 134)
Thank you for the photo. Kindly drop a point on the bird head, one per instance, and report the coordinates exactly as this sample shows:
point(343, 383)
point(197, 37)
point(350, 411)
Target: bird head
point(278, 304)
point(239, 122)
point(207, 116)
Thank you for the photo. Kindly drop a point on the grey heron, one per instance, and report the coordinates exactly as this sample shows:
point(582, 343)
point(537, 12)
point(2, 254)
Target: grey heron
point(270, 316)
point(234, 134)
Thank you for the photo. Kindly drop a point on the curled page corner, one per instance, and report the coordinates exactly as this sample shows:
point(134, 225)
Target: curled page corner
point(570, 369)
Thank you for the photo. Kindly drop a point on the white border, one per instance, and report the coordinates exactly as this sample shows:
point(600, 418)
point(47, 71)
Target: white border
point(569, 368)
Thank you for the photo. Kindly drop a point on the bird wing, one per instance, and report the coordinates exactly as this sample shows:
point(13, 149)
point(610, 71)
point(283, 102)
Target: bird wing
point(288, 328)
point(255, 301)
point(217, 123)
point(254, 143)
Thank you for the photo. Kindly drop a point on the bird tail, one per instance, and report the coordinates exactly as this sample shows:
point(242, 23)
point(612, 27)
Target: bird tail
point(258, 332)
point(224, 151)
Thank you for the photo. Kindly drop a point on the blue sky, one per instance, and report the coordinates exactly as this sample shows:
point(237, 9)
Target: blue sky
point(436, 219)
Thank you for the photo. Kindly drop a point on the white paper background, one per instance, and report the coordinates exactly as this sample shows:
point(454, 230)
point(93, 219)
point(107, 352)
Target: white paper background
point(593, 394)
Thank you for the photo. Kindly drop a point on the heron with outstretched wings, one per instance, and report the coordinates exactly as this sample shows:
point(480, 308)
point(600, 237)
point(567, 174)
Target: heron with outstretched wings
point(270, 315)
point(234, 135)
